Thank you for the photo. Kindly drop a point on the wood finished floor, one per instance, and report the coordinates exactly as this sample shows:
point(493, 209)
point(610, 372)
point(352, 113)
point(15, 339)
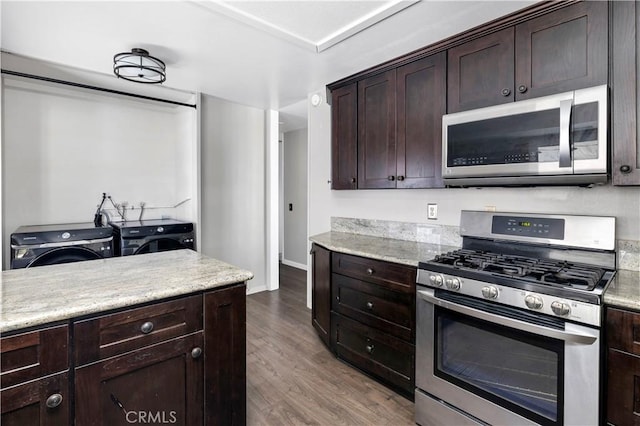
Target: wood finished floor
point(293, 379)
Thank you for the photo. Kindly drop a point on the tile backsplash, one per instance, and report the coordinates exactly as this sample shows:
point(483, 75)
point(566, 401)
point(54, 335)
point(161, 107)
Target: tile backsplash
point(628, 251)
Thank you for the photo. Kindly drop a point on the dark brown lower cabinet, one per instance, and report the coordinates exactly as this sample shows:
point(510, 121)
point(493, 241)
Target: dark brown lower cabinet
point(180, 361)
point(225, 325)
point(623, 367)
point(161, 383)
point(41, 402)
point(321, 292)
point(368, 308)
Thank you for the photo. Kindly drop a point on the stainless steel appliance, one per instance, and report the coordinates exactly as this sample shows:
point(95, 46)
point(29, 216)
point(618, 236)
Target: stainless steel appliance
point(40, 245)
point(509, 327)
point(154, 235)
point(558, 139)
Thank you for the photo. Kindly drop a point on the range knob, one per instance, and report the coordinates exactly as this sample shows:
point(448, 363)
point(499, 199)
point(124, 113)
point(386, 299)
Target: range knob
point(490, 292)
point(533, 302)
point(452, 283)
point(560, 308)
point(436, 280)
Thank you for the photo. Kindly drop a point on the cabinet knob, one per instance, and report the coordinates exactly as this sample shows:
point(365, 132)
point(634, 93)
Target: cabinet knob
point(147, 327)
point(353, 180)
point(370, 349)
point(54, 400)
point(369, 271)
point(391, 178)
point(625, 169)
point(522, 88)
point(196, 352)
point(401, 178)
point(506, 91)
point(369, 305)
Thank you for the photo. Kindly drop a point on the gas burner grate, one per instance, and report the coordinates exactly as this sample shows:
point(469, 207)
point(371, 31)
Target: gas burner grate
point(543, 271)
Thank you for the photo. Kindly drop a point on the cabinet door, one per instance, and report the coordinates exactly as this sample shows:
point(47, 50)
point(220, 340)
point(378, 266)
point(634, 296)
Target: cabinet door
point(625, 93)
point(377, 131)
point(43, 402)
point(344, 137)
point(162, 383)
point(225, 356)
point(421, 91)
point(562, 51)
point(321, 292)
point(623, 388)
point(481, 72)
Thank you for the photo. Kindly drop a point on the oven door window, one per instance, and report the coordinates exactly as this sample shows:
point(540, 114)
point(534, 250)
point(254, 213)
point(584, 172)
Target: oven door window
point(517, 370)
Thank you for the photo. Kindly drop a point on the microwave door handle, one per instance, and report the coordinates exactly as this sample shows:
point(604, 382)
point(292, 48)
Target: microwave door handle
point(565, 123)
point(573, 337)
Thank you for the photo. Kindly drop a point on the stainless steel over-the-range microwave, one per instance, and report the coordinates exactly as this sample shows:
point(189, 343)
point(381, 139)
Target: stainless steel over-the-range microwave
point(558, 139)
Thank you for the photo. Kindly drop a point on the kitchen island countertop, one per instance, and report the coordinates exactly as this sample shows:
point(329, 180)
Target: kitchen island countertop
point(388, 249)
point(36, 296)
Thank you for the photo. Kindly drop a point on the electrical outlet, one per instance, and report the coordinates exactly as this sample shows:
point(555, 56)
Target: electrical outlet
point(432, 211)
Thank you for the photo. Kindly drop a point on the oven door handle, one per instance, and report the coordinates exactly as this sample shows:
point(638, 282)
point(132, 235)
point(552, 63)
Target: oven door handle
point(573, 337)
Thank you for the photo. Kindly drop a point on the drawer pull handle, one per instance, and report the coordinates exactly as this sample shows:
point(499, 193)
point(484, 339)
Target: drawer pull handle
point(147, 327)
point(369, 305)
point(370, 349)
point(54, 400)
point(196, 352)
point(369, 271)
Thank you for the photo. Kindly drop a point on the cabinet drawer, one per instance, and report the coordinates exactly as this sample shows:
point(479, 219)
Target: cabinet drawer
point(28, 356)
point(392, 275)
point(374, 305)
point(623, 330)
point(113, 334)
point(379, 354)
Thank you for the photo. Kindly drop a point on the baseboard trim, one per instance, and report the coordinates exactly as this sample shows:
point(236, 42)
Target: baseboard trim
point(257, 289)
point(294, 264)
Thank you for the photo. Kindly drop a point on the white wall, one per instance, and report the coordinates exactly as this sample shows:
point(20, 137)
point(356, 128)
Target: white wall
point(233, 157)
point(411, 205)
point(63, 147)
point(295, 192)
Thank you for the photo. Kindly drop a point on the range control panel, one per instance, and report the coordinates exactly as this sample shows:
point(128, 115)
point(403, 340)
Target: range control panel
point(528, 226)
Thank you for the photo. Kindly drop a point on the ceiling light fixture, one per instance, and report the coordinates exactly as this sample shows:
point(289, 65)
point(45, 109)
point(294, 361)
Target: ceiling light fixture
point(139, 66)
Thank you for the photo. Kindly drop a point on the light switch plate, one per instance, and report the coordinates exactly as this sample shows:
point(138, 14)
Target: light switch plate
point(432, 211)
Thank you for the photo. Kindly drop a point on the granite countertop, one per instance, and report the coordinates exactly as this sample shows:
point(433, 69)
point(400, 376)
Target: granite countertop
point(45, 294)
point(624, 291)
point(389, 249)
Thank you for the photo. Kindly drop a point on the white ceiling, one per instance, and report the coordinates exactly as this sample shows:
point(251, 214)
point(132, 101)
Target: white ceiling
point(266, 54)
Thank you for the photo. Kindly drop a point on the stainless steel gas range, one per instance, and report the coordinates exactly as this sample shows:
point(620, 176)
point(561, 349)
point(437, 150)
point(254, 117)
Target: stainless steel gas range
point(509, 328)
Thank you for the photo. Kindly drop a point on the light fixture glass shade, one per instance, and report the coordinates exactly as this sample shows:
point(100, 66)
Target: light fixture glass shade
point(139, 66)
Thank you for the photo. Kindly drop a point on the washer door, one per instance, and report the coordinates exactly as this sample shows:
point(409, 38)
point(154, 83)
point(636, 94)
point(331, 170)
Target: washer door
point(161, 244)
point(64, 255)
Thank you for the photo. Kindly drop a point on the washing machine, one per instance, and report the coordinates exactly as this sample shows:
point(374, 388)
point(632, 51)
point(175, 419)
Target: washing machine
point(149, 236)
point(40, 245)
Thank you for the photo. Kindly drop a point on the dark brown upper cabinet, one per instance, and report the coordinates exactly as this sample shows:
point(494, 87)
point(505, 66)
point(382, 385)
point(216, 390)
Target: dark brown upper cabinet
point(377, 131)
point(624, 92)
point(344, 137)
point(556, 52)
point(481, 72)
point(399, 126)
